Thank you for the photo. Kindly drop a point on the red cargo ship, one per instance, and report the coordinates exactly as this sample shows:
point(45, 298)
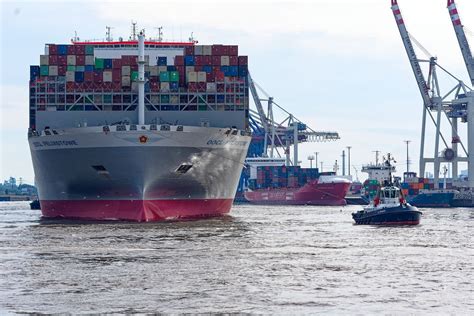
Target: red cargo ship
point(293, 185)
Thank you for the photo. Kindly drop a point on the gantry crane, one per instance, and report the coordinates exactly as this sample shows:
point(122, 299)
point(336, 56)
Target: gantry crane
point(462, 39)
point(289, 132)
point(434, 101)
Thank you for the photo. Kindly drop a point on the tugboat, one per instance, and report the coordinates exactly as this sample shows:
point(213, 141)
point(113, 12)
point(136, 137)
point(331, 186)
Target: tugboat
point(389, 207)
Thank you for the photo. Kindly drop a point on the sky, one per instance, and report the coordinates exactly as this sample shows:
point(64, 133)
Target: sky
point(338, 65)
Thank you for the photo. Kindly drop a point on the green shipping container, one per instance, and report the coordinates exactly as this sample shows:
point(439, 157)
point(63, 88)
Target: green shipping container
point(203, 108)
point(99, 63)
point(44, 70)
point(89, 50)
point(174, 76)
point(164, 76)
point(134, 76)
point(71, 68)
point(165, 98)
point(107, 98)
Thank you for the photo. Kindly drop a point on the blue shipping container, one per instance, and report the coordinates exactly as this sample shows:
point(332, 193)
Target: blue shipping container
point(171, 68)
point(233, 71)
point(162, 61)
point(62, 49)
point(243, 71)
point(89, 68)
point(174, 86)
point(79, 76)
point(189, 60)
point(107, 63)
point(207, 69)
point(34, 72)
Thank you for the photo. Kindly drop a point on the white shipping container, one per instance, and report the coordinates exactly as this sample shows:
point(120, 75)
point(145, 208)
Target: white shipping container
point(125, 70)
point(70, 76)
point(154, 71)
point(198, 51)
point(162, 69)
point(165, 86)
point(126, 81)
point(174, 99)
point(53, 70)
point(107, 76)
point(189, 68)
point(135, 86)
point(46, 50)
point(211, 87)
point(90, 60)
point(192, 76)
point(44, 60)
point(224, 60)
point(71, 60)
point(207, 50)
point(201, 76)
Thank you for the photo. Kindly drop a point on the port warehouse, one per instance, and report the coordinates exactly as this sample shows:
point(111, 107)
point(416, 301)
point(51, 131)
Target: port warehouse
point(96, 84)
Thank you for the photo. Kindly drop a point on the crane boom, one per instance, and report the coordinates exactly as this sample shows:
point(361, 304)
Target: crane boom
point(462, 39)
point(415, 64)
point(258, 104)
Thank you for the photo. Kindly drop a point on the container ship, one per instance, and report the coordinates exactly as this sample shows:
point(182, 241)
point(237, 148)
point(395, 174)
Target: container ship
point(140, 130)
point(270, 181)
point(418, 191)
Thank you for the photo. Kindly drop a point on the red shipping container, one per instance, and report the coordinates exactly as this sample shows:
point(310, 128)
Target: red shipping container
point(62, 70)
point(210, 77)
point(198, 61)
point(80, 60)
point(179, 61)
point(88, 76)
point(155, 86)
point(225, 50)
point(62, 60)
point(116, 63)
point(216, 50)
point(134, 67)
point(197, 68)
point(219, 76)
point(201, 86)
point(192, 86)
point(189, 50)
point(98, 76)
point(233, 50)
point(53, 49)
point(117, 75)
point(70, 86)
point(53, 60)
point(233, 61)
point(243, 60)
point(206, 60)
point(80, 50)
point(71, 49)
point(215, 60)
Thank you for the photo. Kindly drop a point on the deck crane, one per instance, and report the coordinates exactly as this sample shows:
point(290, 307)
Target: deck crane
point(289, 132)
point(462, 39)
point(433, 100)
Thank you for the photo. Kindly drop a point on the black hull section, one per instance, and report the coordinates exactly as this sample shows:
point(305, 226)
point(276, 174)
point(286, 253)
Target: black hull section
point(391, 216)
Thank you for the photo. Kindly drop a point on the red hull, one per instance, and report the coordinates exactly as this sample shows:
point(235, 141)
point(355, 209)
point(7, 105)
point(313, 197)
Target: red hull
point(135, 210)
point(331, 194)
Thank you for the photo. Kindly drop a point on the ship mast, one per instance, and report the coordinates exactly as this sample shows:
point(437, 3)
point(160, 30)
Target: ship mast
point(141, 78)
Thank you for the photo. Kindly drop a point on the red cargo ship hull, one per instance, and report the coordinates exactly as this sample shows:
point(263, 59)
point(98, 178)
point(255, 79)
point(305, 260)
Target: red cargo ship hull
point(313, 193)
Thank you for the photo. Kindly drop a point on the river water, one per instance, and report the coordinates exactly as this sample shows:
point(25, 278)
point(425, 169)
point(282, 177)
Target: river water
point(260, 259)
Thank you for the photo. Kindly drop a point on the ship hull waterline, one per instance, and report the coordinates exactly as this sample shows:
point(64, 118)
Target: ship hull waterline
point(327, 194)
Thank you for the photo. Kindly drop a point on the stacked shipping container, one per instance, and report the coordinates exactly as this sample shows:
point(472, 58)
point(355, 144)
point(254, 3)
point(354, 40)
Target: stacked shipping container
point(282, 176)
point(72, 77)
